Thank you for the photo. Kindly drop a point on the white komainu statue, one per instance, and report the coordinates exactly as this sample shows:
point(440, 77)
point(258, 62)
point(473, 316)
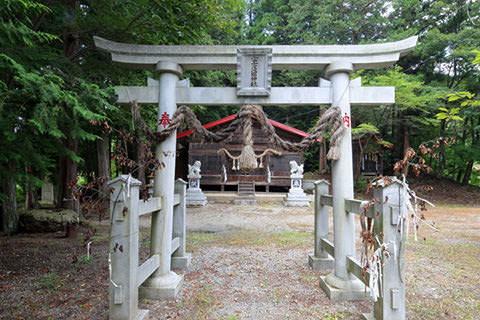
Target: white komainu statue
point(194, 170)
point(195, 196)
point(296, 171)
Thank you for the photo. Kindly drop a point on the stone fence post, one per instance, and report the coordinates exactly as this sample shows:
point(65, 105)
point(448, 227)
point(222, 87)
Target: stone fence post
point(391, 205)
point(180, 259)
point(123, 250)
point(320, 260)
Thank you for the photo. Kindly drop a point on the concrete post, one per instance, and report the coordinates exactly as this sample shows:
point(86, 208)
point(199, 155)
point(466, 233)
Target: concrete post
point(391, 306)
point(320, 260)
point(342, 285)
point(164, 283)
point(180, 259)
point(123, 251)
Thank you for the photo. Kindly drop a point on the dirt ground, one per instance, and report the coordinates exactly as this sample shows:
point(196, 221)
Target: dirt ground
point(247, 263)
point(445, 191)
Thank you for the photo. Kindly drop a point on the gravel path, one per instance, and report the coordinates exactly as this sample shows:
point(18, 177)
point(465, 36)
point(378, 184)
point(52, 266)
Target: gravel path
point(247, 263)
point(268, 218)
point(259, 280)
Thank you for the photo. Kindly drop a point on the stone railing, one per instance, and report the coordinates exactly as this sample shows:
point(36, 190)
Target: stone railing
point(126, 276)
point(388, 206)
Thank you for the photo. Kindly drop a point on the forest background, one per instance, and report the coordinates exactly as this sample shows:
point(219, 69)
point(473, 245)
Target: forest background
point(59, 120)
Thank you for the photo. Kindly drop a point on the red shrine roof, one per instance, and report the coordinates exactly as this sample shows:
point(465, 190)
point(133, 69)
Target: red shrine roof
point(230, 118)
point(375, 139)
point(275, 124)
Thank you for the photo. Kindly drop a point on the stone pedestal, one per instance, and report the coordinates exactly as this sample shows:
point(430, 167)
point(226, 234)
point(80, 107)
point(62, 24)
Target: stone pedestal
point(320, 264)
point(165, 287)
point(182, 262)
point(296, 197)
point(196, 197)
point(339, 289)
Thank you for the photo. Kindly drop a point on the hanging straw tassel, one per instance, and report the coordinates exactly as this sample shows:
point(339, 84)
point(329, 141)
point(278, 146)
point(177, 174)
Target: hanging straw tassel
point(248, 160)
point(337, 131)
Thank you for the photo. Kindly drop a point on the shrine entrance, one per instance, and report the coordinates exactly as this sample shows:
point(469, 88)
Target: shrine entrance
point(254, 65)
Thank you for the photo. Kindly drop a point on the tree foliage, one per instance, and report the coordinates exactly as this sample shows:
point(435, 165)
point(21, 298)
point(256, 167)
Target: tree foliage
point(441, 67)
point(56, 88)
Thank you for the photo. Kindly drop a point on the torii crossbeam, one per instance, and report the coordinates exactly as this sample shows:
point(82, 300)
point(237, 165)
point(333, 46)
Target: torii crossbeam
point(254, 65)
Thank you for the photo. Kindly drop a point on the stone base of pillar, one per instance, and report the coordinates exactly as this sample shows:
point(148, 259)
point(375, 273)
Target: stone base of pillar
point(320, 264)
point(164, 287)
point(296, 198)
point(368, 316)
point(181, 262)
point(196, 203)
point(338, 289)
point(143, 314)
point(196, 197)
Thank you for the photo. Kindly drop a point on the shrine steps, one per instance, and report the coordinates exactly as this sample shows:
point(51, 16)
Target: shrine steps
point(246, 194)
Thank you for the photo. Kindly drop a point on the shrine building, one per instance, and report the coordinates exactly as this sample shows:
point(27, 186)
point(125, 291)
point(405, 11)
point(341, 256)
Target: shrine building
point(218, 170)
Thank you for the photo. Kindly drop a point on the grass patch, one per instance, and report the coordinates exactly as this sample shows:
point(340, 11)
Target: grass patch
point(443, 279)
point(50, 282)
point(333, 316)
point(244, 238)
point(452, 205)
point(204, 302)
point(461, 255)
point(310, 278)
point(292, 239)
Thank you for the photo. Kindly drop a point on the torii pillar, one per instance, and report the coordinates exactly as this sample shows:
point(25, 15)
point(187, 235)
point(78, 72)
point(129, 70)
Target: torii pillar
point(164, 283)
point(340, 284)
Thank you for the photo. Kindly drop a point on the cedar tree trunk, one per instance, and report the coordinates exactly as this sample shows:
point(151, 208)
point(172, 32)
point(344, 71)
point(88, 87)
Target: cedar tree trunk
point(103, 158)
point(9, 206)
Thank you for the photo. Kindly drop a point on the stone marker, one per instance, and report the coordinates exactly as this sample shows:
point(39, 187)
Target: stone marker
point(254, 71)
point(195, 195)
point(48, 196)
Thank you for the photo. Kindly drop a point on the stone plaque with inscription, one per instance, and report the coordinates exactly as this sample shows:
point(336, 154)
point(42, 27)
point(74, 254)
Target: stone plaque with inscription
point(254, 71)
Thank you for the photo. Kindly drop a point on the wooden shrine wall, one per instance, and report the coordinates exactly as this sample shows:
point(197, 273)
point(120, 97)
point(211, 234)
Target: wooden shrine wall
point(212, 162)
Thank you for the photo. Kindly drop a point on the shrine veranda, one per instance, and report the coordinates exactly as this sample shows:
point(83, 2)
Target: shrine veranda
point(254, 65)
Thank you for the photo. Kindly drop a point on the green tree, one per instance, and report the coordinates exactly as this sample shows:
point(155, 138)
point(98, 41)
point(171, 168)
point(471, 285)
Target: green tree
point(449, 34)
point(55, 85)
point(36, 104)
point(441, 63)
point(410, 117)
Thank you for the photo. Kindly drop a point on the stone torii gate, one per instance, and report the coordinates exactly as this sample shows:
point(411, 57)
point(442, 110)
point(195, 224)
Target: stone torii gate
point(254, 65)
